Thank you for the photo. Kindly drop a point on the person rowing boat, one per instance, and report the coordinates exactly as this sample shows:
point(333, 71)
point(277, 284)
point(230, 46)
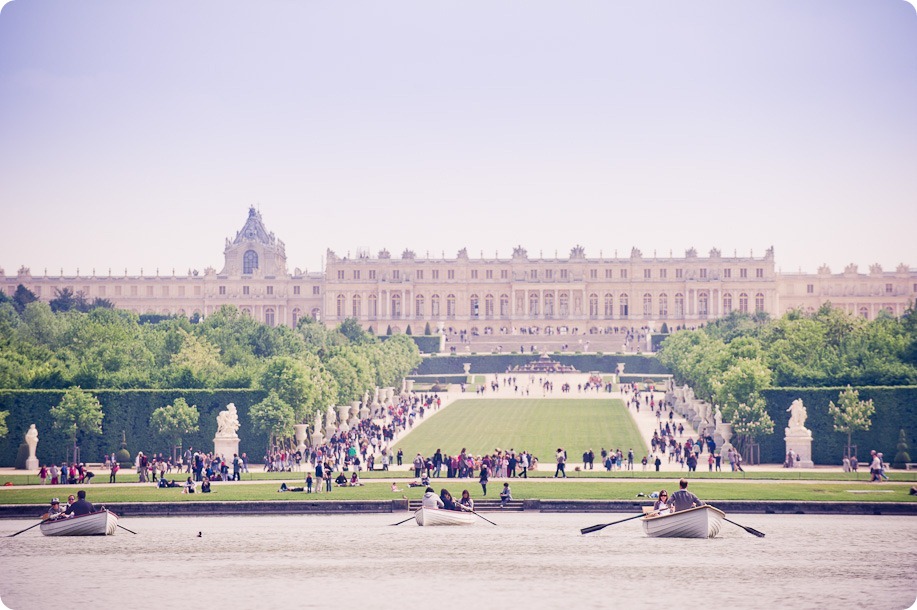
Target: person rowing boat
point(684, 499)
point(431, 500)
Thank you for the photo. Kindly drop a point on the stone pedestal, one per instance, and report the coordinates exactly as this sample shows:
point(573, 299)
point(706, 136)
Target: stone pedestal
point(31, 463)
point(226, 446)
point(800, 441)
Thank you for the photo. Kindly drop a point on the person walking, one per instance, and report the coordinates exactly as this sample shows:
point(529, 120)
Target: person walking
point(484, 478)
point(561, 463)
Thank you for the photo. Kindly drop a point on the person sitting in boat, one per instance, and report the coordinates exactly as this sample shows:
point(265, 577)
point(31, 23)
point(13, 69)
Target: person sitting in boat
point(55, 512)
point(448, 501)
point(431, 500)
point(684, 499)
point(662, 503)
point(465, 502)
point(82, 506)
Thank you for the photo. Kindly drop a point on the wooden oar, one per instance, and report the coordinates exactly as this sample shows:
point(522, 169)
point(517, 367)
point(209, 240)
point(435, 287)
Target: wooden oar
point(595, 528)
point(28, 528)
point(483, 517)
point(750, 530)
point(124, 528)
point(406, 520)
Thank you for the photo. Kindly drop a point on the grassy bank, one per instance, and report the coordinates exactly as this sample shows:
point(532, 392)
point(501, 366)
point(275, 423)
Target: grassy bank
point(812, 491)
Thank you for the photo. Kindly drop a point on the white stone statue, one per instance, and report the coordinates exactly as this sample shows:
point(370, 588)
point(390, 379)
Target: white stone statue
point(798, 415)
point(718, 417)
point(228, 422)
point(31, 439)
point(317, 425)
point(330, 417)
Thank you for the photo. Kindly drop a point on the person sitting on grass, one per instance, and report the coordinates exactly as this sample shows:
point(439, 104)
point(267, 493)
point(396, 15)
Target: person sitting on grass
point(355, 480)
point(395, 487)
point(505, 495)
point(341, 480)
point(189, 487)
point(205, 486)
point(163, 483)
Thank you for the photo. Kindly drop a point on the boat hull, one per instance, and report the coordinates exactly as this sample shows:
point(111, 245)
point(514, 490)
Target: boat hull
point(698, 522)
point(102, 523)
point(432, 516)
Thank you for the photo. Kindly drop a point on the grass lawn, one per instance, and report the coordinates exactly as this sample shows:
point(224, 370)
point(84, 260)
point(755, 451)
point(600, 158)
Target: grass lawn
point(539, 426)
point(572, 490)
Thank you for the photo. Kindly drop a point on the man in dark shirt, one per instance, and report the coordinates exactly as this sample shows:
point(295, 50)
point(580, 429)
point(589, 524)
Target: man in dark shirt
point(81, 506)
point(684, 499)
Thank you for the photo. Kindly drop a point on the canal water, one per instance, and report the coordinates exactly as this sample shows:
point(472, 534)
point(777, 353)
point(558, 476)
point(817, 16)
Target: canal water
point(526, 561)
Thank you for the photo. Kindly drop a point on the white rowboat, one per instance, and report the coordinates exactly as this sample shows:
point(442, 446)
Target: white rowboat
point(698, 522)
point(102, 523)
point(436, 516)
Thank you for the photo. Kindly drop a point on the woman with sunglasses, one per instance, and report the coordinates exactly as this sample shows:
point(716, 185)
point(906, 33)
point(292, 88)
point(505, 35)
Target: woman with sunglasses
point(662, 503)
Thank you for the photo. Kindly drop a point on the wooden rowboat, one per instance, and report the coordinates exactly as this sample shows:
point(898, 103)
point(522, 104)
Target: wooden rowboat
point(698, 522)
point(102, 523)
point(435, 516)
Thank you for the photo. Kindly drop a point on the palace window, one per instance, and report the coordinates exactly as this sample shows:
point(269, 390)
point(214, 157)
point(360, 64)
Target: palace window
point(703, 273)
point(662, 274)
point(622, 306)
point(372, 274)
point(759, 302)
point(743, 303)
point(181, 291)
point(489, 306)
point(341, 300)
point(647, 304)
point(118, 290)
point(679, 305)
point(549, 274)
point(563, 302)
point(534, 274)
point(647, 274)
point(663, 305)
point(593, 305)
point(373, 302)
point(436, 274)
point(396, 306)
point(134, 291)
point(759, 273)
point(489, 274)
point(245, 290)
point(504, 274)
point(743, 273)
point(419, 274)
point(356, 306)
point(609, 306)
point(593, 274)
point(296, 315)
point(609, 274)
point(623, 274)
point(533, 304)
point(504, 306)
point(864, 312)
point(434, 306)
point(727, 303)
point(356, 274)
point(270, 290)
point(316, 290)
point(703, 304)
point(296, 290)
point(727, 273)
point(149, 291)
point(810, 288)
point(474, 306)
point(269, 316)
point(679, 274)
point(340, 274)
point(549, 305)
point(564, 274)
point(418, 306)
point(450, 274)
point(474, 274)
point(889, 289)
point(197, 291)
point(396, 274)
point(450, 305)
point(249, 262)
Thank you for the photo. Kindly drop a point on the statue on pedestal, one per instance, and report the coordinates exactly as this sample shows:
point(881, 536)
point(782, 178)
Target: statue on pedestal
point(798, 438)
point(31, 439)
point(226, 440)
point(798, 415)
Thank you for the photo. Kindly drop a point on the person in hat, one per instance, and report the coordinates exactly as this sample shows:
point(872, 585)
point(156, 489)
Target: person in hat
point(55, 511)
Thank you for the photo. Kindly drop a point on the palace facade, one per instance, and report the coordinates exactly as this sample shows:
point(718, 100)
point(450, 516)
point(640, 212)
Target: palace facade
point(487, 296)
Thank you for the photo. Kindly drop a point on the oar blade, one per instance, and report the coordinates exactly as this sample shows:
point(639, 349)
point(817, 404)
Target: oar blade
point(594, 528)
point(750, 530)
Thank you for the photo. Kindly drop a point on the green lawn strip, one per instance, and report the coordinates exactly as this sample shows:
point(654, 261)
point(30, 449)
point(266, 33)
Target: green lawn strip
point(539, 426)
point(558, 490)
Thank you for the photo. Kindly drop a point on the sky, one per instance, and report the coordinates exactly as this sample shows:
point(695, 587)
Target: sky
point(135, 135)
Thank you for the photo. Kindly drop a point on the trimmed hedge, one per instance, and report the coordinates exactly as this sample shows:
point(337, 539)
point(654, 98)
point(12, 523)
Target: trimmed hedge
point(896, 408)
point(427, 344)
point(499, 363)
point(127, 410)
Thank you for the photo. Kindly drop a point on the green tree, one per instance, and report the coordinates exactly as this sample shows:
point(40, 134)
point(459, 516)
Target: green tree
point(78, 412)
point(22, 297)
point(273, 417)
point(751, 421)
point(851, 414)
point(4, 430)
point(902, 457)
point(351, 329)
point(197, 363)
point(293, 380)
point(173, 421)
point(740, 383)
point(426, 329)
point(408, 331)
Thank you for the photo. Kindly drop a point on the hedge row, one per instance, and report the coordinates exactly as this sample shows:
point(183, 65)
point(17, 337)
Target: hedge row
point(896, 408)
point(127, 410)
point(499, 363)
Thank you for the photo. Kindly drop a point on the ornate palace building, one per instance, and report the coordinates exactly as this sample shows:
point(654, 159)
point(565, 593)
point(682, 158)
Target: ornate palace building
point(488, 295)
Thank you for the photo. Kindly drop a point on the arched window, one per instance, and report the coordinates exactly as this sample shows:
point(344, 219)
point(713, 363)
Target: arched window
point(864, 312)
point(549, 305)
point(316, 314)
point(533, 305)
point(373, 306)
point(450, 306)
point(418, 306)
point(703, 304)
point(663, 305)
point(727, 303)
point(246, 311)
point(563, 302)
point(609, 306)
point(356, 306)
point(296, 315)
point(341, 300)
point(434, 306)
point(743, 303)
point(269, 316)
point(474, 306)
point(593, 305)
point(489, 306)
point(622, 305)
point(759, 302)
point(396, 305)
point(647, 305)
point(504, 306)
point(249, 262)
point(679, 305)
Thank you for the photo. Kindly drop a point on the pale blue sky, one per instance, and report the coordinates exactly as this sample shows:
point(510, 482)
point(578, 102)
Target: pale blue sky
point(136, 134)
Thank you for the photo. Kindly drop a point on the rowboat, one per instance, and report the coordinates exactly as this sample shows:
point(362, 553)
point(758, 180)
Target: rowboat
point(102, 523)
point(436, 516)
point(698, 522)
